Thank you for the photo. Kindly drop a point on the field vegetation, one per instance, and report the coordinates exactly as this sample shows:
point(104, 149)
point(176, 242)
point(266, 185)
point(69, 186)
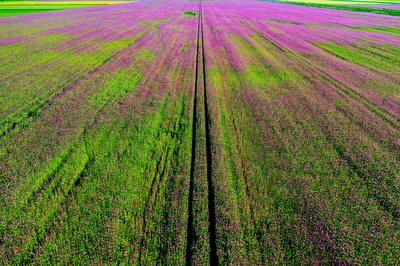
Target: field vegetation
point(186, 132)
point(10, 8)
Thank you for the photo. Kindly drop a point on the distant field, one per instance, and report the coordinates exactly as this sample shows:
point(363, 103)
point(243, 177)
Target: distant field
point(386, 7)
point(339, 2)
point(10, 8)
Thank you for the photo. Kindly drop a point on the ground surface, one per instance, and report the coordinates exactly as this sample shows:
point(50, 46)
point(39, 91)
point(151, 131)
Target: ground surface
point(183, 132)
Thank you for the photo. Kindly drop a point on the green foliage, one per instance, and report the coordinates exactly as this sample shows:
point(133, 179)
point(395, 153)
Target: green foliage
point(189, 13)
point(379, 59)
point(385, 11)
point(10, 10)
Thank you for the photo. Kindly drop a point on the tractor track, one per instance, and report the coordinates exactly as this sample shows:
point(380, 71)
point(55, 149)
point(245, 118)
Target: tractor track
point(200, 91)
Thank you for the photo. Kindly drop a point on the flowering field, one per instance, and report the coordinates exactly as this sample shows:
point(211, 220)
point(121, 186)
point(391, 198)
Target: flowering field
point(15, 7)
point(186, 132)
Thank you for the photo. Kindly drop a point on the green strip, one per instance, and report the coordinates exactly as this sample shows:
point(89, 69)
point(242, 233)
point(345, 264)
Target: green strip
point(384, 11)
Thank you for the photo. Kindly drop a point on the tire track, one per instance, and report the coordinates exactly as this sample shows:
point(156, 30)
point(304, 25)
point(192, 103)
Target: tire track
point(201, 167)
point(211, 194)
point(190, 227)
